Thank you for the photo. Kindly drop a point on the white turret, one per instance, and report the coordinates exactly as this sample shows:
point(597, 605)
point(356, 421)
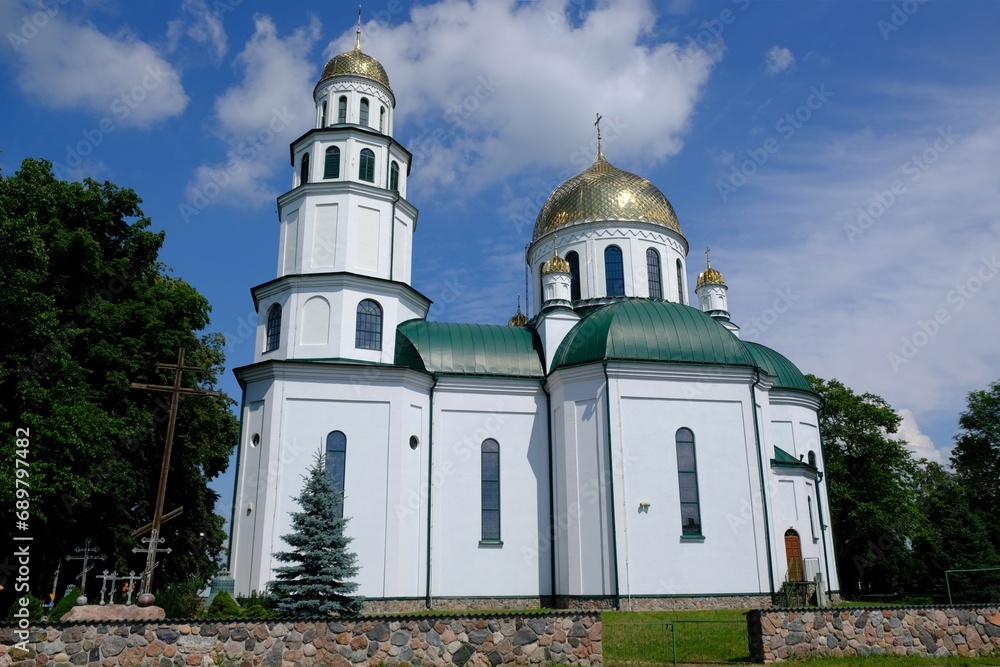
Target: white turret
point(711, 290)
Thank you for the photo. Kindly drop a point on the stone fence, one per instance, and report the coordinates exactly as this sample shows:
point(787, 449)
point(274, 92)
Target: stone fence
point(481, 641)
point(778, 634)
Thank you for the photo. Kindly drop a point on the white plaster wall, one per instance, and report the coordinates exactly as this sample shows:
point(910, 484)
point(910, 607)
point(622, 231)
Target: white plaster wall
point(461, 566)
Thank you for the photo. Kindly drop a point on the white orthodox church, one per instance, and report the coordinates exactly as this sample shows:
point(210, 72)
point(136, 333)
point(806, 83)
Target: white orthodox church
point(619, 447)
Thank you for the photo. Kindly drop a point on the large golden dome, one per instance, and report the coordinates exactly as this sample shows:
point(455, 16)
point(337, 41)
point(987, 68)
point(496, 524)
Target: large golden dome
point(356, 63)
point(604, 192)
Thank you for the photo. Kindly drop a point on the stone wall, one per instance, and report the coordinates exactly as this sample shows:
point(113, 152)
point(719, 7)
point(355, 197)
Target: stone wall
point(456, 641)
point(777, 634)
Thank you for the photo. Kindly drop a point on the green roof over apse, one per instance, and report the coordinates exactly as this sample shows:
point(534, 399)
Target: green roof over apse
point(468, 349)
point(774, 364)
point(651, 330)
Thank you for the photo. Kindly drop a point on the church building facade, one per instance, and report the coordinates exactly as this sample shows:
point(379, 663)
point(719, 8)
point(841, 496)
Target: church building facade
point(617, 446)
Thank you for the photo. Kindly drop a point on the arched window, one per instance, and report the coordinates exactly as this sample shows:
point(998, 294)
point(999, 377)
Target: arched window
point(342, 110)
point(394, 176)
point(331, 165)
point(322, 115)
point(336, 463)
point(368, 334)
point(574, 272)
point(304, 172)
point(614, 271)
point(366, 165)
point(680, 283)
point(491, 490)
point(364, 112)
point(654, 274)
point(687, 483)
point(273, 330)
point(381, 120)
point(812, 458)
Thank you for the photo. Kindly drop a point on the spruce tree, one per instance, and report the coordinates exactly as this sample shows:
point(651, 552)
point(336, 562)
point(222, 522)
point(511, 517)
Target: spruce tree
point(317, 579)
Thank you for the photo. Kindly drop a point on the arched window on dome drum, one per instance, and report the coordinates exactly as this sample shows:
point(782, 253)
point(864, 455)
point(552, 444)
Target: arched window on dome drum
point(394, 176)
point(364, 112)
point(680, 283)
point(273, 329)
point(654, 274)
point(331, 164)
point(366, 165)
point(304, 171)
point(336, 464)
point(574, 272)
point(322, 115)
point(368, 333)
point(812, 458)
point(614, 271)
point(381, 120)
point(490, 472)
point(687, 483)
point(342, 110)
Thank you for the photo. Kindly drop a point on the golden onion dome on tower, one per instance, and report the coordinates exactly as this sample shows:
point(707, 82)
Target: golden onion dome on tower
point(356, 63)
point(604, 192)
point(519, 319)
point(555, 264)
point(709, 276)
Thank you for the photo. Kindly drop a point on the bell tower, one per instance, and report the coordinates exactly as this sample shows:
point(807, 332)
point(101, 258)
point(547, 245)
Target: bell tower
point(346, 228)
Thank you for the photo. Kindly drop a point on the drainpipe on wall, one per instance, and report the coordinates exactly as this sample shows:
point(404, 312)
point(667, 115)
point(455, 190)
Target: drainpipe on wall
point(763, 483)
point(611, 485)
point(552, 504)
point(430, 485)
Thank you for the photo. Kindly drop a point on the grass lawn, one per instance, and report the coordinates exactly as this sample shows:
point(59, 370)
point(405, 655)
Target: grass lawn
point(704, 635)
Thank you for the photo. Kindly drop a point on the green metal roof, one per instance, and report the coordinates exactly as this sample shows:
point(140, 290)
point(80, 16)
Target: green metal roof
point(774, 364)
point(783, 459)
point(651, 330)
point(468, 349)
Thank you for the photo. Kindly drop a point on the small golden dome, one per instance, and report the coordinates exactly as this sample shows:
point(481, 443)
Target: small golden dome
point(710, 277)
point(604, 192)
point(519, 319)
point(356, 63)
point(555, 264)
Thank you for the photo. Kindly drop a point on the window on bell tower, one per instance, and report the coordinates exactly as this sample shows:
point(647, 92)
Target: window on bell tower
point(394, 176)
point(654, 274)
point(364, 112)
point(331, 165)
point(381, 120)
point(304, 171)
point(368, 332)
point(342, 110)
point(614, 271)
point(680, 282)
point(574, 272)
point(366, 165)
point(322, 115)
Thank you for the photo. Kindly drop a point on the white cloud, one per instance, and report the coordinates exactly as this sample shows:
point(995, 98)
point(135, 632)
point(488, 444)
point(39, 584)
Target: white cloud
point(204, 27)
point(779, 59)
point(64, 64)
point(917, 442)
point(259, 116)
point(502, 86)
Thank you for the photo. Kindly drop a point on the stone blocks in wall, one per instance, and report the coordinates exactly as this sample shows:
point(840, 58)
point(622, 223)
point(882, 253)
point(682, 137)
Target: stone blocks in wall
point(455, 641)
point(779, 634)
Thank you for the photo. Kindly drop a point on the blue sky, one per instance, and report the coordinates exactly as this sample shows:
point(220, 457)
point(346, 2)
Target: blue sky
point(840, 158)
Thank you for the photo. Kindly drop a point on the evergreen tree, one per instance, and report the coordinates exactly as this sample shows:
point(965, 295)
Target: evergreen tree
point(318, 577)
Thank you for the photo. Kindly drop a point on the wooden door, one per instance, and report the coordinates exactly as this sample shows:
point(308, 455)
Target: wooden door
point(793, 555)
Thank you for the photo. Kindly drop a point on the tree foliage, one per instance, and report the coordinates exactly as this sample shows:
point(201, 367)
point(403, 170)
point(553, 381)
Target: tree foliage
point(317, 579)
point(872, 488)
point(976, 457)
point(89, 309)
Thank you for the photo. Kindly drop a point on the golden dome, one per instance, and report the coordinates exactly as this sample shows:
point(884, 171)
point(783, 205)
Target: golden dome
point(356, 63)
point(710, 277)
point(519, 319)
point(604, 192)
point(555, 264)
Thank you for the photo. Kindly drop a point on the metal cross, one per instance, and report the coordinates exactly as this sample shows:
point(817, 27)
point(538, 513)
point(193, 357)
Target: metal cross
point(108, 577)
point(86, 553)
point(708, 262)
point(154, 526)
point(132, 578)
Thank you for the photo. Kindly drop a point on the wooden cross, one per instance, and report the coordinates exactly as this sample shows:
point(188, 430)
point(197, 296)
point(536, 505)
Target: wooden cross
point(153, 526)
point(86, 553)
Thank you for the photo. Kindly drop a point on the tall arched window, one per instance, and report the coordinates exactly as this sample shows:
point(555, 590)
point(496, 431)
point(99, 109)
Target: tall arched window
point(680, 282)
point(336, 463)
point(366, 165)
point(614, 271)
point(491, 490)
point(273, 329)
point(304, 171)
point(342, 109)
point(654, 274)
point(812, 458)
point(687, 483)
point(331, 165)
point(574, 272)
point(368, 334)
point(381, 120)
point(394, 176)
point(322, 115)
point(364, 112)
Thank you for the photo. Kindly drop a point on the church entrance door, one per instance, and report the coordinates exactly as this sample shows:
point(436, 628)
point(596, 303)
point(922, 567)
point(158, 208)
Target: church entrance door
point(793, 554)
